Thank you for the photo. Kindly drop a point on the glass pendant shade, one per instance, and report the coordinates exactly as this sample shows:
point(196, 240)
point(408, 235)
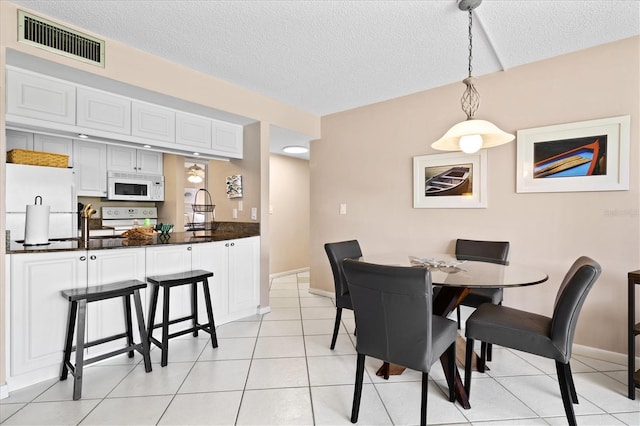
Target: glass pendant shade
point(464, 137)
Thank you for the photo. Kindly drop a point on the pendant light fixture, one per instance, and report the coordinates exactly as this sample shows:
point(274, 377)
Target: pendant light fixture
point(472, 134)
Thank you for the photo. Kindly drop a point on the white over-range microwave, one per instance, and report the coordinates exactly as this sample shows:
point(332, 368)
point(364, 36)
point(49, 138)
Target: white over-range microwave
point(135, 187)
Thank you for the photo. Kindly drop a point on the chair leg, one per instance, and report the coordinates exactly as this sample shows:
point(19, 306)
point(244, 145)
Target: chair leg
point(143, 334)
point(127, 320)
point(78, 370)
point(423, 399)
point(165, 327)
point(467, 367)
point(71, 326)
point(572, 387)
point(564, 391)
point(336, 328)
point(483, 357)
point(212, 324)
point(451, 354)
point(153, 304)
point(194, 308)
point(458, 313)
point(357, 393)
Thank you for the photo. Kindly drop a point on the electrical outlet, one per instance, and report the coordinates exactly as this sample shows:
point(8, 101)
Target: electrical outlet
point(343, 208)
point(234, 213)
point(254, 213)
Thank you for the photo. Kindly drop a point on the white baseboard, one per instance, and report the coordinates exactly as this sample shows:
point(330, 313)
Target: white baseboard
point(4, 391)
point(601, 354)
point(284, 273)
point(324, 293)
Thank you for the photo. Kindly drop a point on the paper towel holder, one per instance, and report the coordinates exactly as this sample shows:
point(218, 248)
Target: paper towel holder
point(27, 238)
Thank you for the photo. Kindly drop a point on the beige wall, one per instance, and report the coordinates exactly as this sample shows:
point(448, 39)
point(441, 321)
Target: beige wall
point(365, 160)
point(289, 203)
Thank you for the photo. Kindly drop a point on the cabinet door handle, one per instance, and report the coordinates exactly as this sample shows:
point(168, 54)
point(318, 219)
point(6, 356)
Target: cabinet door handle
point(93, 257)
point(189, 248)
point(83, 258)
point(233, 244)
point(226, 244)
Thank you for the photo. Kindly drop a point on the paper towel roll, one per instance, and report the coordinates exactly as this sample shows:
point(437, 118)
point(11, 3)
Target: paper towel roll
point(36, 226)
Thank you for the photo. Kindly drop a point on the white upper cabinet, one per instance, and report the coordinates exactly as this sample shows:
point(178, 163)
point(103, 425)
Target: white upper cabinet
point(193, 131)
point(19, 140)
point(55, 145)
point(90, 164)
point(34, 96)
point(103, 111)
point(227, 139)
point(131, 160)
point(153, 122)
point(53, 105)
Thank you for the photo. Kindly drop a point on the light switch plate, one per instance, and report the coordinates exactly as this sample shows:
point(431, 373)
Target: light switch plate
point(254, 213)
point(343, 208)
point(235, 213)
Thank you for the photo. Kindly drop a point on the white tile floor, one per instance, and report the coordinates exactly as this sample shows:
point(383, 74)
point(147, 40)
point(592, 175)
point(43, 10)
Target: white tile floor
point(278, 370)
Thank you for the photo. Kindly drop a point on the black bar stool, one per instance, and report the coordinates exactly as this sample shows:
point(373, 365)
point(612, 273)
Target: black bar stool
point(79, 297)
point(172, 280)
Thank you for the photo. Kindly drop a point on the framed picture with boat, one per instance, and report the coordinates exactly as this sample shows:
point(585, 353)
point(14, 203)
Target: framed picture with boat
point(583, 156)
point(452, 180)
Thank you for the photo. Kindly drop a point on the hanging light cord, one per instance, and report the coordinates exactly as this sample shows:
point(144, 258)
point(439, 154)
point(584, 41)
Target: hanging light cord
point(470, 98)
point(470, 40)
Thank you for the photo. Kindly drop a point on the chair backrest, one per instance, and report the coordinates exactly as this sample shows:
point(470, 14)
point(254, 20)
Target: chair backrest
point(337, 252)
point(571, 296)
point(393, 313)
point(483, 251)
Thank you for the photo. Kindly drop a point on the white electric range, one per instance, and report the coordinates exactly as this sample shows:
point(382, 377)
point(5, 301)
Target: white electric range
point(125, 218)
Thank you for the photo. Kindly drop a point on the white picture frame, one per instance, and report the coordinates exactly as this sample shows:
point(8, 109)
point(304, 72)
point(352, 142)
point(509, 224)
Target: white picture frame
point(435, 181)
point(602, 145)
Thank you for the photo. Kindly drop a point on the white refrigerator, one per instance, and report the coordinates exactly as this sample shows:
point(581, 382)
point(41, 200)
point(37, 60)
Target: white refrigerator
point(55, 185)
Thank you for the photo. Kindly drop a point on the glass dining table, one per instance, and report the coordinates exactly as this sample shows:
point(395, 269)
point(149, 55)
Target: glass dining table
point(455, 279)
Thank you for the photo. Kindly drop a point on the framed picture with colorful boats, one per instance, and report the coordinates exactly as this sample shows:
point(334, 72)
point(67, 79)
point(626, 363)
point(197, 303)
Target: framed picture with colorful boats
point(452, 180)
point(583, 156)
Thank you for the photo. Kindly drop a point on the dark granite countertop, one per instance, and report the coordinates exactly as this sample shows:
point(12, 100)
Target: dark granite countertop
point(223, 233)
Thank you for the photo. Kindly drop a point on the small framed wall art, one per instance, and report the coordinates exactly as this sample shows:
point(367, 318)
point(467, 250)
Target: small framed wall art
point(583, 156)
point(234, 186)
point(452, 180)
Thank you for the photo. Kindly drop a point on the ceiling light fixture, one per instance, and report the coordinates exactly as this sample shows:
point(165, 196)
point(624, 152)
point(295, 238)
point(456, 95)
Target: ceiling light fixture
point(295, 149)
point(472, 134)
point(196, 174)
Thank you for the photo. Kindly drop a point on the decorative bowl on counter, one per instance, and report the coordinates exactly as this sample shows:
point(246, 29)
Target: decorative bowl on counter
point(164, 228)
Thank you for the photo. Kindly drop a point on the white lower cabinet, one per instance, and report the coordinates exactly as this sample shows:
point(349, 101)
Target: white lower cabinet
point(38, 312)
point(163, 260)
point(236, 280)
point(106, 317)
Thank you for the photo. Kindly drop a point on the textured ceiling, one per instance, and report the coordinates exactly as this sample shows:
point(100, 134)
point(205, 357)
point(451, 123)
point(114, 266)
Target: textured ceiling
point(330, 56)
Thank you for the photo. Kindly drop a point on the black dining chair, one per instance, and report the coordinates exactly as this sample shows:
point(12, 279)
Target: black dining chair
point(537, 334)
point(482, 251)
point(393, 312)
point(337, 252)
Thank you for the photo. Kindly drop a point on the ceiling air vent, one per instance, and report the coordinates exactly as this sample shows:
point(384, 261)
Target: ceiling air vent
point(53, 37)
